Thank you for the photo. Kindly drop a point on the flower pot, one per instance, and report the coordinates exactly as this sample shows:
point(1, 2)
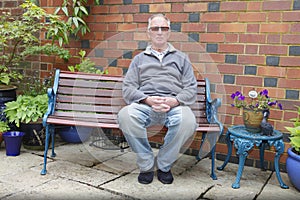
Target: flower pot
point(252, 120)
point(76, 134)
point(13, 142)
point(293, 168)
point(34, 137)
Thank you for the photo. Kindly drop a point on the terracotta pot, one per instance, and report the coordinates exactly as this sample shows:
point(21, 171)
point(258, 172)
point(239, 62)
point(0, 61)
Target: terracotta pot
point(252, 120)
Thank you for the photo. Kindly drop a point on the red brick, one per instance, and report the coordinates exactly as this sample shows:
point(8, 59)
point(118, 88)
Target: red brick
point(193, 27)
point(273, 49)
point(251, 49)
point(233, 6)
point(128, 18)
point(140, 37)
point(177, 8)
point(252, 17)
point(251, 59)
point(141, 18)
point(291, 16)
point(218, 58)
point(253, 38)
point(227, 27)
point(295, 27)
point(231, 37)
point(289, 61)
point(99, 9)
point(126, 27)
point(195, 7)
point(178, 17)
point(128, 9)
point(142, 1)
point(291, 84)
point(213, 17)
point(212, 28)
point(230, 69)
point(273, 39)
point(212, 37)
point(254, 6)
point(231, 48)
point(252, 28)
point(231, 17)
point(112, 2)
point(274, 17)
point(291, 39)
point(293, 73)
point(274, 28)
point(271, 71)
point(277, 5)
point(163, 8)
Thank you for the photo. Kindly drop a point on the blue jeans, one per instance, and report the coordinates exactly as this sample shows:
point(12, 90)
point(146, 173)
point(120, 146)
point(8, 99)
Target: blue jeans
point(135, 118)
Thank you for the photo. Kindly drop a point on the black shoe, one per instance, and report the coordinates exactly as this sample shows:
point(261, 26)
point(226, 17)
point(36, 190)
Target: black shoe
point(146, 177)
point(165, 177)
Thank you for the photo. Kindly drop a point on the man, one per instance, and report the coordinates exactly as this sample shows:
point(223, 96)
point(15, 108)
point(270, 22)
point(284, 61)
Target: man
point(159, 87)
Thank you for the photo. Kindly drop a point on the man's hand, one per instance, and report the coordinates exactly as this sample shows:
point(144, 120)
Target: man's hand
point(161, 104)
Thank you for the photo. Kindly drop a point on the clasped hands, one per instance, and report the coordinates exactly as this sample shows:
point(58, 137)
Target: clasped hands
point(161, 104)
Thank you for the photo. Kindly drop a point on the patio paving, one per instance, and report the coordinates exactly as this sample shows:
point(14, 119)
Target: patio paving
point(81, 171)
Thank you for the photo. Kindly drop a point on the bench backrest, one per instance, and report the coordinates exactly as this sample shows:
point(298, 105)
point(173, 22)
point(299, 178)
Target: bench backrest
point(98, 98)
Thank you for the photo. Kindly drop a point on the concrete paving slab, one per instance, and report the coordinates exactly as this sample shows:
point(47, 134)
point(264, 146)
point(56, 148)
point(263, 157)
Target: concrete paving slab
point(272, 190)
point(251, 183)
point(62, 189)
point(80, 173)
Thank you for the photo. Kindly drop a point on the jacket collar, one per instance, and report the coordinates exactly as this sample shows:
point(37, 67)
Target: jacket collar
point(148, 49)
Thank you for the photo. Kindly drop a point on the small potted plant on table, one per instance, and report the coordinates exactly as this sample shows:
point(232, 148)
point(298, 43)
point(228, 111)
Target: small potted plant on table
point(254, 108)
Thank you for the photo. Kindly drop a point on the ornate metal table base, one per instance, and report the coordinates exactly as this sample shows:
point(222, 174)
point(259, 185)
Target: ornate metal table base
point(244, 141)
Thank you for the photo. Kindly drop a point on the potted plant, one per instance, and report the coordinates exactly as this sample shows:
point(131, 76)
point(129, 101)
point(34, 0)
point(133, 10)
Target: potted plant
point(254, 107)
point(293, 160)
point(26, 113)
point(3, 128)
point(20, 38)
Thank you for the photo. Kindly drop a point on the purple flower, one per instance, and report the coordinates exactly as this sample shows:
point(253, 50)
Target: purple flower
point(241, 98)
point(264, 93)
point(232, 95)
point(280, 106)
point(272, 103)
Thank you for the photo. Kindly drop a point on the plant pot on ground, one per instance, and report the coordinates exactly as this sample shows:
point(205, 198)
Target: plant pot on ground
point(293, 160)
point(27, 110)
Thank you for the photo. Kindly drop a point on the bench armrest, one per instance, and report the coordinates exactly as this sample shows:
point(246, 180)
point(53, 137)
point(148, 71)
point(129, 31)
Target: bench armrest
point(51, 98)
point(212, 106)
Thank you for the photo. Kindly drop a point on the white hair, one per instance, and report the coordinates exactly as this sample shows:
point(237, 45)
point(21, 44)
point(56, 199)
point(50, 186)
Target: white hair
point(158, 15)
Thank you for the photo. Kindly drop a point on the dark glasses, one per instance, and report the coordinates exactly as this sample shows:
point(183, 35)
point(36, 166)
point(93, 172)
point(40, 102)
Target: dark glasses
point(157, 28)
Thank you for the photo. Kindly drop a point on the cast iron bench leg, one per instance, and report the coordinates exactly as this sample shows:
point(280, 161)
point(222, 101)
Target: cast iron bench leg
point(229, 146)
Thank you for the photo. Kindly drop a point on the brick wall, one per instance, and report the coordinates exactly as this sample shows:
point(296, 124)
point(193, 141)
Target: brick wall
point(238, 45)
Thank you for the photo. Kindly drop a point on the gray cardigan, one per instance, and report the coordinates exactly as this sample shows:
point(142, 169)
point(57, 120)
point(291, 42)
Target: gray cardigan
point(173, 77)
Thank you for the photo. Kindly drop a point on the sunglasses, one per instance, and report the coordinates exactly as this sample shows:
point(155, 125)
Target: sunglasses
point(157, 28)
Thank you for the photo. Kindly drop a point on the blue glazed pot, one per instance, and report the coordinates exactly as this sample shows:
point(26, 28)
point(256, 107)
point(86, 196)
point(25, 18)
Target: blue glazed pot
point(76, 134)
point(13, 142)
point(293, 168)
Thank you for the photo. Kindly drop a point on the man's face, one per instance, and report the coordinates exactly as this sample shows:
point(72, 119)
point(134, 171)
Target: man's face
point(159, 32)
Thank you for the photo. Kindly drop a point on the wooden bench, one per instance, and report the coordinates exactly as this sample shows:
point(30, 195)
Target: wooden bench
point(91, 100)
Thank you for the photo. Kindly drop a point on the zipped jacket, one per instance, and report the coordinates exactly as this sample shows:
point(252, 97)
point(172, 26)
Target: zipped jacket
point(172, 77)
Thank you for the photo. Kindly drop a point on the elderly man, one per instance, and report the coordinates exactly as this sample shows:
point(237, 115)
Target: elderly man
point(159, 87)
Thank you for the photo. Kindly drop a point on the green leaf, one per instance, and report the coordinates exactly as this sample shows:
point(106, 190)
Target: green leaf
point(65, 10)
